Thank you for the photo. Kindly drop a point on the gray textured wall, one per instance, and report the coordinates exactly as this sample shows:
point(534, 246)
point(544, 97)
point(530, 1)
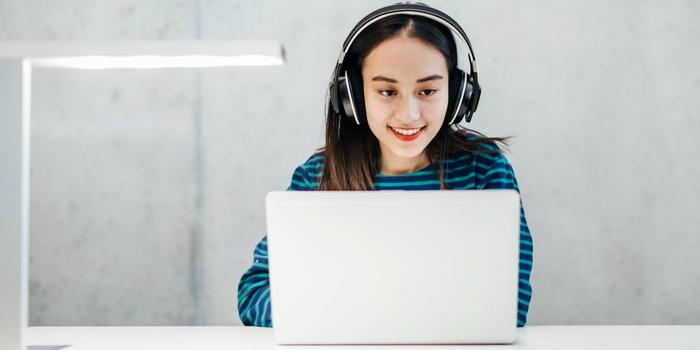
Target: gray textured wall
point(147, 187)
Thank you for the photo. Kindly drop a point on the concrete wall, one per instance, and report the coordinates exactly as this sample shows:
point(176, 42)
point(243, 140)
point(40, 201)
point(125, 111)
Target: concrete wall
point(147, 187)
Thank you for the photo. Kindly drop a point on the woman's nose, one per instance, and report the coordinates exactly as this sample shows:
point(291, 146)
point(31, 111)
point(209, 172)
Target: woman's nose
point(408, 109)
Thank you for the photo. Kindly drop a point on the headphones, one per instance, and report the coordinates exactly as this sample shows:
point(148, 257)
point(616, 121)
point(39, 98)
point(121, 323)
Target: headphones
point(345, 88)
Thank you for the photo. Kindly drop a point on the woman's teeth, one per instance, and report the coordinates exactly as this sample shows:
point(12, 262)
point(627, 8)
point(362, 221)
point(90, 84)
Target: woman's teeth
point(407, 132)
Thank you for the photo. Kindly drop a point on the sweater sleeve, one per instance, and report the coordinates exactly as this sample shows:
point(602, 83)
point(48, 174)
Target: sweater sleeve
point(254, 286)
point(499, 174)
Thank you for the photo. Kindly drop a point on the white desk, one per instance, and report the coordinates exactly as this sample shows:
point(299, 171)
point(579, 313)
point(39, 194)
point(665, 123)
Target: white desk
point(252, 338)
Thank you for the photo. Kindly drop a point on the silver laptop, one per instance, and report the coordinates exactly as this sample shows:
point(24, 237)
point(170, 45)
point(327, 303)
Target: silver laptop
point(393, 267)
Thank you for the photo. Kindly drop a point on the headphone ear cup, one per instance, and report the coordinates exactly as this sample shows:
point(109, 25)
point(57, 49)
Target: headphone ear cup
point(358, 94)
point(473, 91)
point(454, 85)
point(334, 96)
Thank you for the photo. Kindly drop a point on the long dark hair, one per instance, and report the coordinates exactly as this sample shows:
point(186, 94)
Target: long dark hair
point(352, 153)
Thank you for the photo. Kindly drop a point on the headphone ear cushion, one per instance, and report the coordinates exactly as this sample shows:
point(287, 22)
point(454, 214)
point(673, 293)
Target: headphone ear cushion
point(454, 84)
point(358, 93)
point(471, 99)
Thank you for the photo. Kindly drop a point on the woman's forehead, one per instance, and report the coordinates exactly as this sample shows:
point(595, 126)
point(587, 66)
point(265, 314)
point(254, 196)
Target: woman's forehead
point(405, 56)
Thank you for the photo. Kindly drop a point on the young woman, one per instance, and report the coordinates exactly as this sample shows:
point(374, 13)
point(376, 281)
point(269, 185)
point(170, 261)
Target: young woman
point(397, 95)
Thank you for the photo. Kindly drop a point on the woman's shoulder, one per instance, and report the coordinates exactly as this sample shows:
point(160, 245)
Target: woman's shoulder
point(307, 175)
point(313, 163)
point(481, 149)
point(491, 167)
point(484, 158)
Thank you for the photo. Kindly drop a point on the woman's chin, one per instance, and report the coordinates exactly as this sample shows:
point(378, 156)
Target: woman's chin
point(411, 151)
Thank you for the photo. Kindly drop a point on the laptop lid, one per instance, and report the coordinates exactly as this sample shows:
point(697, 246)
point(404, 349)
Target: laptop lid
point(393, 267)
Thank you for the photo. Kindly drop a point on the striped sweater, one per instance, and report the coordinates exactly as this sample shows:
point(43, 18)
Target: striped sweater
point(468, 171)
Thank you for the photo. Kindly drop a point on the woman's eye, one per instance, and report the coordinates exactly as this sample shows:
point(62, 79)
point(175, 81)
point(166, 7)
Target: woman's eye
point(424, 92)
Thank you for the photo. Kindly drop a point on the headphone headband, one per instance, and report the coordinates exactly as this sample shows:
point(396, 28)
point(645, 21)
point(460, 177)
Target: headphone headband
point(410, 9)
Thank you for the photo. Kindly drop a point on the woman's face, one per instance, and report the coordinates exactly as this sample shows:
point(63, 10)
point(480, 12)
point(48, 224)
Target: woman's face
point(406, 87)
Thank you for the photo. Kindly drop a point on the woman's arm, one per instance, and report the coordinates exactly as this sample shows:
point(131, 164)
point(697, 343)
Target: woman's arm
point(254, 287)
point(499, 174)
point(254, 290)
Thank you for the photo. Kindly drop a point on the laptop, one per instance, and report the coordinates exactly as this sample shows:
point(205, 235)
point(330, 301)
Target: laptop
point(393, 267)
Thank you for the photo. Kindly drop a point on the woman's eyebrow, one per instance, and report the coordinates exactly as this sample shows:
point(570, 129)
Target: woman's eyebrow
point(421, 80)
point(432, 77)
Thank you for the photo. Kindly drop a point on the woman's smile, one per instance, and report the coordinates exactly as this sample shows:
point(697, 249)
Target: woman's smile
point(406, 134)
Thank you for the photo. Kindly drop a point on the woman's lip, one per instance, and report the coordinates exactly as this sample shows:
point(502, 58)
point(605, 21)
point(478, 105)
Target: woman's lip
point(405, 137)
